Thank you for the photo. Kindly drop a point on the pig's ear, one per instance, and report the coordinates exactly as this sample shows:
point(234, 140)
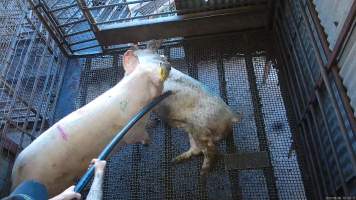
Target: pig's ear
point(130, 61)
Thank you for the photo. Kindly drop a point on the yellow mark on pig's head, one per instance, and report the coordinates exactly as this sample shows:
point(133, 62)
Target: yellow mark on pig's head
point(163, 71)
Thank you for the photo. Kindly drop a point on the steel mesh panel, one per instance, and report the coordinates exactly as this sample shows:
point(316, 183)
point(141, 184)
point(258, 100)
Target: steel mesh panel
point(145, 172)
point(286, 168)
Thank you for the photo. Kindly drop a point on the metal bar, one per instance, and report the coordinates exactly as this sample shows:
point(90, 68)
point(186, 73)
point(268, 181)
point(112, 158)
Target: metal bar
point(231, 147)
point(89, 47)
point(49, 29)
point(333, 150)
point(54, 20)
point(315, 155)
point(299, 39)
point(84, 82)
point(63, 8)
point(49, 96)
point(49, 69)
point(59, 86)
point(342, 92)
point(331, 61)
point(261, 129)
point(132, 18)
point(344, 97)
point(292, 52)
point(18, 84)
point(77, 33)
point(36, 82)
point(319, 29)
point(82, 5)
point(331, 94)
point(117, 4)
point(184, 26)
point(295, 106)
point(71, 23)
point(349, 21)
point(311, 165)
point(22, 130)
point(82, 41)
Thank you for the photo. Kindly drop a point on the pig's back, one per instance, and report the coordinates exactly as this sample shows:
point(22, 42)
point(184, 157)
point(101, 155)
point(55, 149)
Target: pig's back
point(192, 102)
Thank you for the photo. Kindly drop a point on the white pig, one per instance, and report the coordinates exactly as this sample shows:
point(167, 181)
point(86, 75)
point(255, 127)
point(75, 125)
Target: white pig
point(205, 117)
point(62, 153)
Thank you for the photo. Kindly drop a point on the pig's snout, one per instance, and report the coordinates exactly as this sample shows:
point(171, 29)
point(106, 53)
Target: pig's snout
point(164, 70)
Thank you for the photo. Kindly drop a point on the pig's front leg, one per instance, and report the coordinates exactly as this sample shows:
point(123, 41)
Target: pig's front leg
point(194, 150)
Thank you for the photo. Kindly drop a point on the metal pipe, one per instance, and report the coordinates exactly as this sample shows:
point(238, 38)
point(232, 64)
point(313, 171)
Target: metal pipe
point(110, 147)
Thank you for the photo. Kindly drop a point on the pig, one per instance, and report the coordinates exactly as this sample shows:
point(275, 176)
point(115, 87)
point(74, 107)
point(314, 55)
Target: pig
point(61, 154)
point(205, 117)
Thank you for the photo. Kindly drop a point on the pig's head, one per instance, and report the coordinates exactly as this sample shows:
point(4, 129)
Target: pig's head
point(151, 64)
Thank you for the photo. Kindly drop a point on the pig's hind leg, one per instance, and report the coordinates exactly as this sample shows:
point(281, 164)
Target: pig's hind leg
point(210, 153)
point(194, 150)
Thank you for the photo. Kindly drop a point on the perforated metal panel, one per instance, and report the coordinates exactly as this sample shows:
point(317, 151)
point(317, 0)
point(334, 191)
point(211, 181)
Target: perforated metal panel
point(145, 172)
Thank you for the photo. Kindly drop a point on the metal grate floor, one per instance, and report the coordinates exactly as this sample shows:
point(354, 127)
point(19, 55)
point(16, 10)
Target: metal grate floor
point(145, 172)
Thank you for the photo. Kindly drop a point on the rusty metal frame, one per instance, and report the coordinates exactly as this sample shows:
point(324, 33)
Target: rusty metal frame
point(307, 112)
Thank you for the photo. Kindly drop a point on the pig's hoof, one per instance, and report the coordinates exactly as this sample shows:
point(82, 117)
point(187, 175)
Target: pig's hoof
point(146, 142)
point(176, 160)
point(204, 173)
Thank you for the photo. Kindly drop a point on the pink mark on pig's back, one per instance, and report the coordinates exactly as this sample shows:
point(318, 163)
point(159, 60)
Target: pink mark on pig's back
point(62, 133)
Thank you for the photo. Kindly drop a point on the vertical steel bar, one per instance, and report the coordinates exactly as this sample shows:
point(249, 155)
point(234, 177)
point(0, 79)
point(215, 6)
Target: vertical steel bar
point(333, 148)
point(35, 84)
point(261, 129)
point(299, 40)
point(48, 74)
point(299, 77)
point(318, 133)
point(319, 29)
point(48, 99)
point(293, 50)
point(315, 154)
point(18, 83)
point(311, 165)
point(331, 94)
point(230, 144)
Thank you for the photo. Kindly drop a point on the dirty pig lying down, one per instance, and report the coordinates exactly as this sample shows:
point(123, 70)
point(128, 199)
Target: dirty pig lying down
point(62, 153)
